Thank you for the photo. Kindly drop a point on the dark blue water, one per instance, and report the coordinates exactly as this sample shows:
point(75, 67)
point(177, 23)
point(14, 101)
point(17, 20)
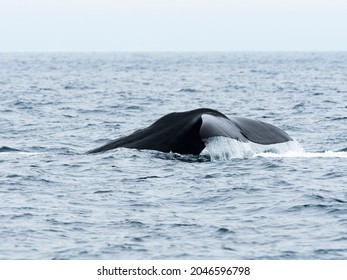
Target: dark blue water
point(56, 202)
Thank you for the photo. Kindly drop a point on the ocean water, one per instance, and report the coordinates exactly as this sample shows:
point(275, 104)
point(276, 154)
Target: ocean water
point(232, 202)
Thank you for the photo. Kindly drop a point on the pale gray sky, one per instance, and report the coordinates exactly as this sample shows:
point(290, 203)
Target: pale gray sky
point(176, 25)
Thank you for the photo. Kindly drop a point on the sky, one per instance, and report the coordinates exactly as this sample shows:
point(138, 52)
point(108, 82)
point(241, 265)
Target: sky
point(172, 25)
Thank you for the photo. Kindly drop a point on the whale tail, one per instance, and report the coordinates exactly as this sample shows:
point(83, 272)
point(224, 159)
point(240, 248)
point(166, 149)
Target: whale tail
point(184, 132)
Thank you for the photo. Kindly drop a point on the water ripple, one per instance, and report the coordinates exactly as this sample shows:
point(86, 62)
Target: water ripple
point(232, 202)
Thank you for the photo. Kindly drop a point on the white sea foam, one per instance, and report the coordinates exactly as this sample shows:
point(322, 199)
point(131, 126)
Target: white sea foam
point(294, 154)
point(224, 149)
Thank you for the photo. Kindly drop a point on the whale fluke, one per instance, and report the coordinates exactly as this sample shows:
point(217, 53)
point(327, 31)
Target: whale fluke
point(184, 132)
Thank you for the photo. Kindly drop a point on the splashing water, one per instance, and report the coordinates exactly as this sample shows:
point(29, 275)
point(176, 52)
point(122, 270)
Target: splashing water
point(224, 149)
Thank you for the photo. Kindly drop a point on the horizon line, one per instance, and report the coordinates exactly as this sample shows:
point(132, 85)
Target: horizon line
point(171, 51)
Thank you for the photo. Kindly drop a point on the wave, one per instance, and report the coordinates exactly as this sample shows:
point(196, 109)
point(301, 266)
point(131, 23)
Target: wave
point(190, 90)
point(5, 149)
point(293, 154)
point(225, 149)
